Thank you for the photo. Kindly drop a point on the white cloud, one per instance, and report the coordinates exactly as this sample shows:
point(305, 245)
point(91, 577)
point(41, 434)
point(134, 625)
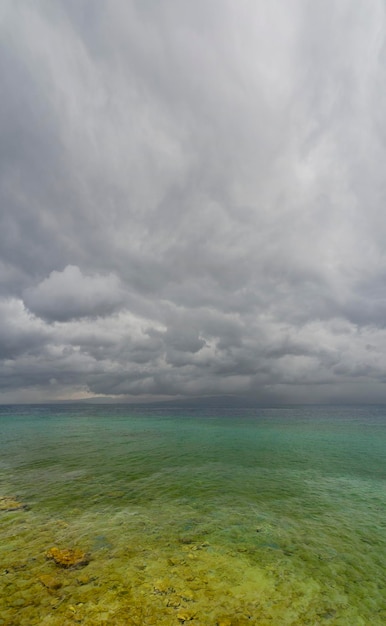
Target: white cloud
point(70, 294)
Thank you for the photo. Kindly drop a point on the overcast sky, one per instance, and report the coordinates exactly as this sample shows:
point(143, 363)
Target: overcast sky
point(193, 199)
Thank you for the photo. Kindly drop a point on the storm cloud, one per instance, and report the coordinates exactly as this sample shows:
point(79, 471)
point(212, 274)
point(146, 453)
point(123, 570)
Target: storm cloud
point(192, 200)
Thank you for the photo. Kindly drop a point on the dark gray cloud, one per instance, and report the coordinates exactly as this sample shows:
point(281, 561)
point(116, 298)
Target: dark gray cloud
point(192, 199)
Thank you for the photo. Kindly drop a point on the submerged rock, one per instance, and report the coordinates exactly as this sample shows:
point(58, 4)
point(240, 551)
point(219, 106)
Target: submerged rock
point(185, 616)
point(50, 581)
point(10, 503)
point(163, 587)
point(84, 579)
point(68, 557)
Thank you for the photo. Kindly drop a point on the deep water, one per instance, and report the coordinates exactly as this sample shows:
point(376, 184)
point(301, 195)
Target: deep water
point(273, 516)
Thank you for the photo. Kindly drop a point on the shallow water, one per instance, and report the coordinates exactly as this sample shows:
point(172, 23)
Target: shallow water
point(217, 517)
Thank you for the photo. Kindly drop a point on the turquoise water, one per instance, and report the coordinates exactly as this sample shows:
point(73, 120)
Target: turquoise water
point(207, 517)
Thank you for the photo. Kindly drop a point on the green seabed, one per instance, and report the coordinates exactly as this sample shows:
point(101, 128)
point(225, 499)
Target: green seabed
point(228, 518)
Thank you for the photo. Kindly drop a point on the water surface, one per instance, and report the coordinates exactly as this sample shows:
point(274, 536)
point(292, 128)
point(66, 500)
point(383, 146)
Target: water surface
point(207, 517)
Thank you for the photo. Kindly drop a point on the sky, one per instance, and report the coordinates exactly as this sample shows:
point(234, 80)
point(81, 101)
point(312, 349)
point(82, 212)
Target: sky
point(192, 200)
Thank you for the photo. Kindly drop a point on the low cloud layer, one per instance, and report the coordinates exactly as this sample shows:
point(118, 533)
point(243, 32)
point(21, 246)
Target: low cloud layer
point(192, 200)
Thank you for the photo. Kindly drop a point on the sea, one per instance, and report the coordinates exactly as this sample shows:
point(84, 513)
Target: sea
point(196, 516)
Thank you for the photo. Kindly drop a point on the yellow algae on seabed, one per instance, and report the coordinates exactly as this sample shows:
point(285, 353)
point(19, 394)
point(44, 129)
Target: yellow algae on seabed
point(68, 557)
point(146, 575)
